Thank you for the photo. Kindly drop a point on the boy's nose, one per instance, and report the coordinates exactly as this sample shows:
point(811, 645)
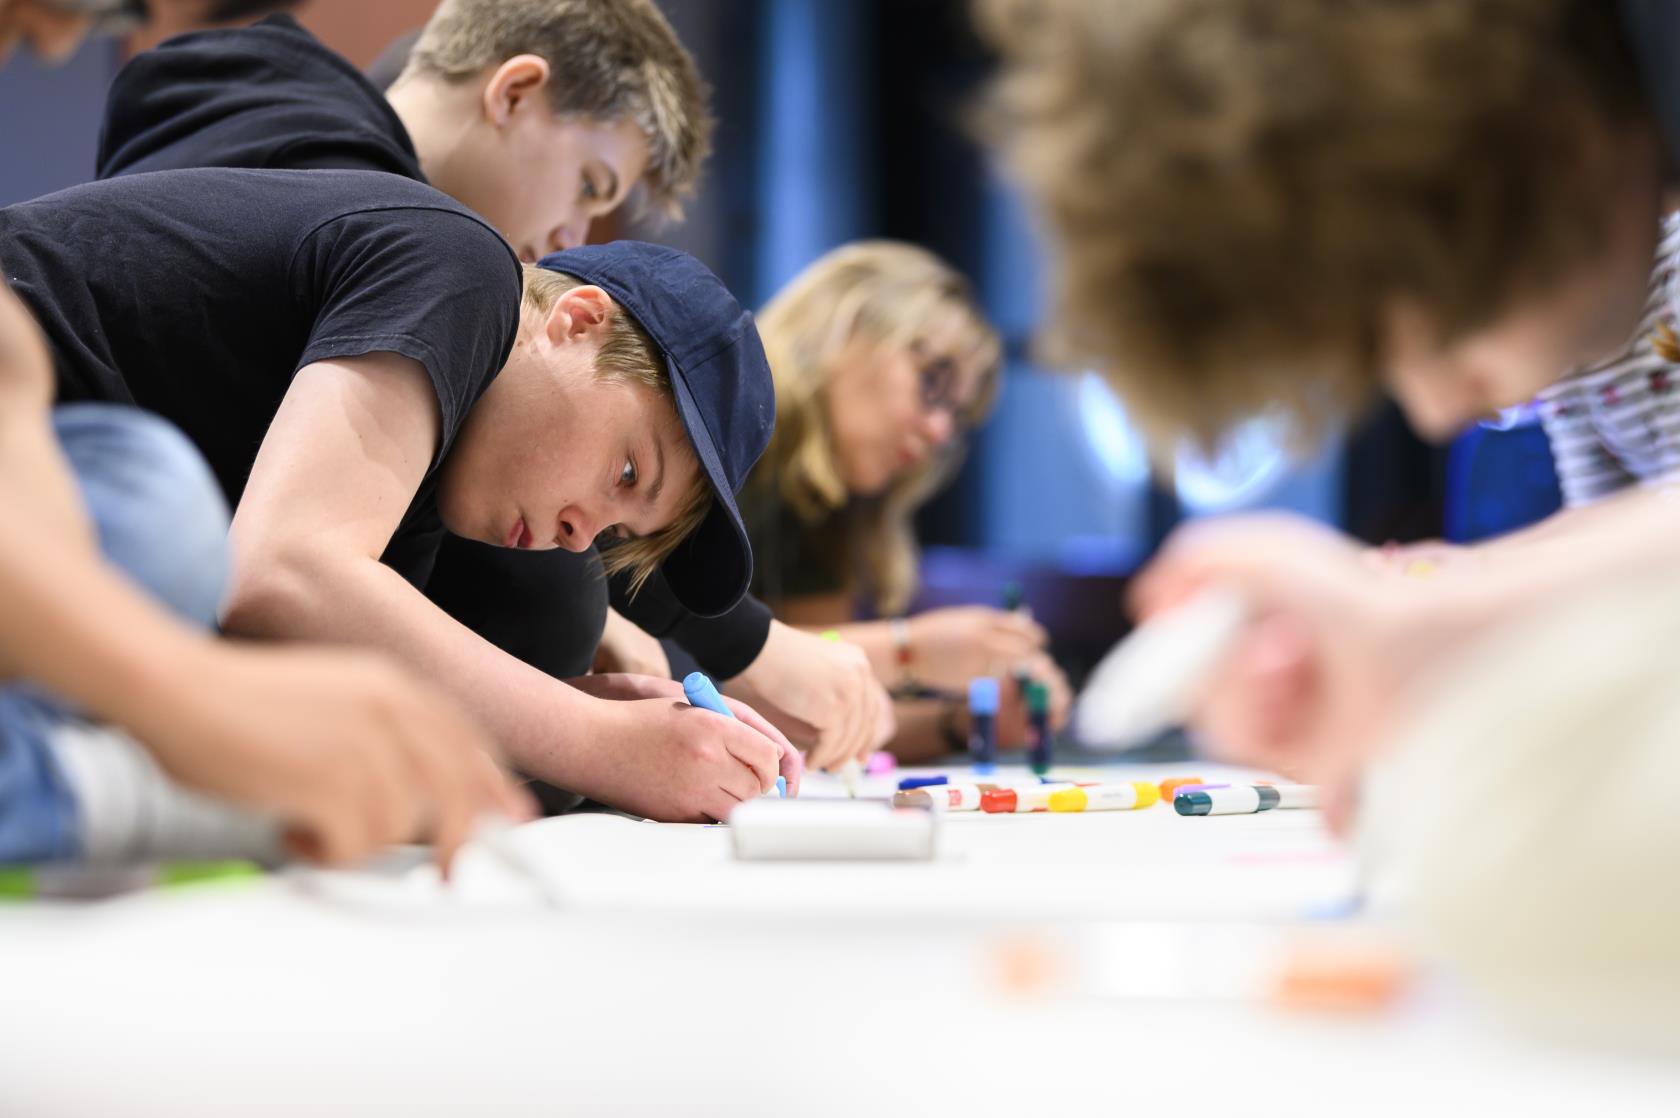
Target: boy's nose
point(576, 530)
point(569, 234)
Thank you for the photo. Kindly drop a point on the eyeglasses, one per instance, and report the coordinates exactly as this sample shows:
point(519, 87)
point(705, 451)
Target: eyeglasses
point(110, 17)
point(939, 379)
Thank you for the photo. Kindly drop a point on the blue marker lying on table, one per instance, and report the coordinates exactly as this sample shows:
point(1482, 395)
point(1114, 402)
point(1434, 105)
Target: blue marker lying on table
point(701, 693)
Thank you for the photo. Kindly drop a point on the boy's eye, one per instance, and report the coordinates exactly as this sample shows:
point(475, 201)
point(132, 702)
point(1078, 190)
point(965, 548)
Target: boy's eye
point(627, 476)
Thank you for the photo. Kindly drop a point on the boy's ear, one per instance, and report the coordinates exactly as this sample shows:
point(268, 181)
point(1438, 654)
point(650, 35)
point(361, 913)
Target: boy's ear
point(578, 315)
point(512, 84)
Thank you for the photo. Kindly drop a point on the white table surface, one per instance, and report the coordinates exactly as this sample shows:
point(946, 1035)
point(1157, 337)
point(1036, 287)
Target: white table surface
point(675, 980)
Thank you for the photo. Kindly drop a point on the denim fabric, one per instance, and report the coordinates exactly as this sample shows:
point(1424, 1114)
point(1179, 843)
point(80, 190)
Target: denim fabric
point(162, 520)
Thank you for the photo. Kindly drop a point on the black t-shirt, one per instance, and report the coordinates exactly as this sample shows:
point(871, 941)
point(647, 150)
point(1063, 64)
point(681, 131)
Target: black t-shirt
point(198, 295)
point(269, 95)
point(272, 95)
point(792, 558)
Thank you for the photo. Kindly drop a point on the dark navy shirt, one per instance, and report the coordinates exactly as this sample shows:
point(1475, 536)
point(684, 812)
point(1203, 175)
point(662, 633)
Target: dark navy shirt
point(273, 96)
point(269, 95)
point(198, 294)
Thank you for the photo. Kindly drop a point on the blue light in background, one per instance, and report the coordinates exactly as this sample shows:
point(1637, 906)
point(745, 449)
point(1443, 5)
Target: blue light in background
point(812, 159)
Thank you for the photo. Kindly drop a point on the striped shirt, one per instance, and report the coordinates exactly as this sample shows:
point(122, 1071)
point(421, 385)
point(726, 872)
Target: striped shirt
point(1617, 424)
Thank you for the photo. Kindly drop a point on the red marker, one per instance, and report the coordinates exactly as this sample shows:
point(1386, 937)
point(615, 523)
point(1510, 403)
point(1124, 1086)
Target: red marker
point(1034, 798)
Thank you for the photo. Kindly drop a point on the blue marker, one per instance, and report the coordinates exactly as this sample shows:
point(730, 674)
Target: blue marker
point(982, 718)
point(910, 782)
point(701, 693)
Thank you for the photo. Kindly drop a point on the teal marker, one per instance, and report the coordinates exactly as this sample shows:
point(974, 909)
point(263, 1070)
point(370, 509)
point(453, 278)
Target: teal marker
point(1015, 601)
point(701, 693)
point(1013, 597)
point(1038, 726)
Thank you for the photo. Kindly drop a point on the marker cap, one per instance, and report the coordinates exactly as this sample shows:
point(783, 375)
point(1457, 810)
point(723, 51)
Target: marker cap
point(1192, 803)
point(1038, 697)
point(983, 695)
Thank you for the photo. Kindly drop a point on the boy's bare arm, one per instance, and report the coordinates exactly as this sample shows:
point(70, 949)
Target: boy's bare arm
point(346, 451)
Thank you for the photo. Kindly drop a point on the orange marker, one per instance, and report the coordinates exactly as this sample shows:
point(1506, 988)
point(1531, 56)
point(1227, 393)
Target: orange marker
point(1168, 787)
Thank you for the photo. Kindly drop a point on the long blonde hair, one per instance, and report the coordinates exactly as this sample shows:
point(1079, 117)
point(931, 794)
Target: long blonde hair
point(884, 294)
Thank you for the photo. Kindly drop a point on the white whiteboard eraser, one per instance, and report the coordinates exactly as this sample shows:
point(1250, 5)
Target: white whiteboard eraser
point(832, 830)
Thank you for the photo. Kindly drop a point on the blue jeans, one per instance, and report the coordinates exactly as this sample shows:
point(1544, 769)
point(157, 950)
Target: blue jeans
point(162, 521)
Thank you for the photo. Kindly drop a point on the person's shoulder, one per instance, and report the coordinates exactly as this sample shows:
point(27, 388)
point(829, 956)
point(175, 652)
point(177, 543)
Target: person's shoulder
point(379, 192)
point(392, 207)
point(247, 96)
point(278, 37)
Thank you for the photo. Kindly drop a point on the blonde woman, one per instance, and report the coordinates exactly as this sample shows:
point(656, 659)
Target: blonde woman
point(881, 361)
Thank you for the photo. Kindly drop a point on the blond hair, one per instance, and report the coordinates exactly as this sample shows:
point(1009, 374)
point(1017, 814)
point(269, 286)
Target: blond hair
point(628, 356)
point(883, 294)
point(608, 60)
point(1238, 190)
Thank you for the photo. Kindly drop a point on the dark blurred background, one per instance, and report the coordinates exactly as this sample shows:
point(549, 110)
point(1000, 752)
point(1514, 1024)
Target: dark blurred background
point(848, 120)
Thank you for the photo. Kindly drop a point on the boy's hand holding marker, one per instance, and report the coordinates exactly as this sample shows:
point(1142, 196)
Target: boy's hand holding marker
point(707, 764)
point(698, 689)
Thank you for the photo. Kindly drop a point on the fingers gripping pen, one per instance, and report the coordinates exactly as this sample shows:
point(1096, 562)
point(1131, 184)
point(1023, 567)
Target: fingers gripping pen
point(700, 692)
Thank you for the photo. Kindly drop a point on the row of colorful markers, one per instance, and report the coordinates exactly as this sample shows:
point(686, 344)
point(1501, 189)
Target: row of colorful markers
point(1188, 795)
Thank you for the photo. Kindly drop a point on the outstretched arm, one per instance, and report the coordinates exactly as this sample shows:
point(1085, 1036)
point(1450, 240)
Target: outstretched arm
point(342, 460)
point(345, 749)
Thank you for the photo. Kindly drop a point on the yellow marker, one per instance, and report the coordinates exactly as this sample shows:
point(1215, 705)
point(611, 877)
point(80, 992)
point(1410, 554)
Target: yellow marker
point(1105, 797)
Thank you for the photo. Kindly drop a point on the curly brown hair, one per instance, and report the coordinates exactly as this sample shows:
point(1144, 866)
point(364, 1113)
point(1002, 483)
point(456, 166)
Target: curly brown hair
point(1236, 189)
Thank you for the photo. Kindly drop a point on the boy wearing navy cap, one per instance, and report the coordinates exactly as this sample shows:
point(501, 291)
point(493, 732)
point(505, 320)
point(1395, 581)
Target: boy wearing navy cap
point(366, 365)
point(540, 115)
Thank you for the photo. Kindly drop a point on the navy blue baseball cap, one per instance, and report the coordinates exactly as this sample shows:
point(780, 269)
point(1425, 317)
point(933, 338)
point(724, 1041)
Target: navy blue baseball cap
point(721, 381)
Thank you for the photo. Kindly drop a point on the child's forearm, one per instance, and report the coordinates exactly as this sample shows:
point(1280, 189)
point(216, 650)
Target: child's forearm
point(876, 640)
point(1560, 525)
point(311, 591)
point(1629, 535)
point(923, 725)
